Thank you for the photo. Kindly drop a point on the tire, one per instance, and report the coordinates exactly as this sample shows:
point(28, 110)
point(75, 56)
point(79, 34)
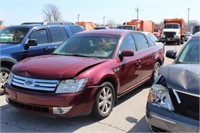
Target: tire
point(155, 72)
point(179, 42)
point(4, 74)
point(104, 101)
point(182, 40)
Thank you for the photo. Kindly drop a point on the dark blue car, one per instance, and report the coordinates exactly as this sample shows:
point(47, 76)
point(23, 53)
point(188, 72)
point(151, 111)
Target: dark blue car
point(30, 39)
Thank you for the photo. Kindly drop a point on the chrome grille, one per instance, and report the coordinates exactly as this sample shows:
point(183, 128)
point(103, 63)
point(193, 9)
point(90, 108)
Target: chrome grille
point(34, 84)
point(189, 105)
point(169, 34)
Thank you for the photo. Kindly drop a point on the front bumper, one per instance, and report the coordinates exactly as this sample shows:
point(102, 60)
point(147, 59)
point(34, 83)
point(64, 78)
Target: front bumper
point(163, 120)
point(168, 39)
point(42, 103)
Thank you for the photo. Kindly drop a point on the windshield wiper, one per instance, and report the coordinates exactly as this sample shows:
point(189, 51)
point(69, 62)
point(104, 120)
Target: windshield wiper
point(80, 55)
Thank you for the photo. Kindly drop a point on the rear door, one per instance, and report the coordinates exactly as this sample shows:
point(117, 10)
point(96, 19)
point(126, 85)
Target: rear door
point(57, 36)
point(147, 51)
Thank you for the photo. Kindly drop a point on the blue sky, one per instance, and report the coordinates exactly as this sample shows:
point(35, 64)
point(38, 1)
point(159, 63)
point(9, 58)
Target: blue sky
point(18, 11)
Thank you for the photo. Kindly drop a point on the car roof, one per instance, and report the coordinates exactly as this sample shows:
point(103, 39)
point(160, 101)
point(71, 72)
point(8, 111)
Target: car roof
point(30, 25)
point(108, 31)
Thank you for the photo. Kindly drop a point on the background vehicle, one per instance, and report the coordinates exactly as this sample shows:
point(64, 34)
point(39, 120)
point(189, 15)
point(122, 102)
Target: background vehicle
point(173, 31)
point(101, 27)
point(1, 27)
point(86, 74)
point(141, 25)
point(30, 39)
point(87, 25)
point(173, 99)
point(157, 32)
point(196, 29)
point(128, 27)
point(188, 35)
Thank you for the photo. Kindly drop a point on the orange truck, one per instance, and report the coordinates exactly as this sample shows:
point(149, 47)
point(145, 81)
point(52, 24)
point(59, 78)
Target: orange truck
point(87, 25)
point(173, 31)
point(141, 25)
point(1, 27)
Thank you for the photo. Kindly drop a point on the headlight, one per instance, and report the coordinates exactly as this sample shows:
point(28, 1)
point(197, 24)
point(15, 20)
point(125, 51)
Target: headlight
point(159, 96)
point(176, 36)
point(71, 85)
point(10, 78)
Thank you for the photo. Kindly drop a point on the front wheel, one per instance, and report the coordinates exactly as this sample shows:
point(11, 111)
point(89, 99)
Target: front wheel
point(4, 74)
point(104, 101)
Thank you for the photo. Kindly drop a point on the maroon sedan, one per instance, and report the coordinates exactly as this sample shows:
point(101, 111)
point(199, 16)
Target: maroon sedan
point(85, 75)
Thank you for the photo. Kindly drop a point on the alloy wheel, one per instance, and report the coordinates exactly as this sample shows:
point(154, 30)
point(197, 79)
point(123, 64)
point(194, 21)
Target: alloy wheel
point(105, 100)
point(156, 70)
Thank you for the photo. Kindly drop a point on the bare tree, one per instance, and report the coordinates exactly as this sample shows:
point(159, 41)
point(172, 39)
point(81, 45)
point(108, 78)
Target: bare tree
point(51, 13)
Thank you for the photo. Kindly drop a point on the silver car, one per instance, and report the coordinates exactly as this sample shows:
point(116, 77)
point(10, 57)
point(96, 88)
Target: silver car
point(173, 100)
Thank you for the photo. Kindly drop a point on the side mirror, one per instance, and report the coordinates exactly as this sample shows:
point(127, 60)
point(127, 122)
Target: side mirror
point(125, 53)
point(32, 42)
point(171, 54)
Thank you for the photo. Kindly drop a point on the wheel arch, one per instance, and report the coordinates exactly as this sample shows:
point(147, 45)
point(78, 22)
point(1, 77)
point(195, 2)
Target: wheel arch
point(8, 62)
point(114, 84)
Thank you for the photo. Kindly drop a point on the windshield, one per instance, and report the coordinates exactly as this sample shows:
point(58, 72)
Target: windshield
point(13, 35)
point(190, 54)
point(171, 26)
point(100, 46)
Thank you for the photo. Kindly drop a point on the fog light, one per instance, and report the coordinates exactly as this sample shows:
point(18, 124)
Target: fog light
point(61, 110)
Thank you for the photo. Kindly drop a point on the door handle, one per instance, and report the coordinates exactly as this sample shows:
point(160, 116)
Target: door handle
point(138, 62)
point(47, 49)
point(153, 56)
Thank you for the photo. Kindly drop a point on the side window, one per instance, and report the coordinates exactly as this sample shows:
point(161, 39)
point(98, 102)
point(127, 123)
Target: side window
point(127, 43)
point(141, 41)
point(65, 34)
point(40, 36)
point(56, 34)
point(75, 29)
point(151, 43)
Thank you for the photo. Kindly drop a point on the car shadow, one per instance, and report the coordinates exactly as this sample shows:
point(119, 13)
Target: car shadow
point(132, 93)
point(138, 125)
point(14, 120)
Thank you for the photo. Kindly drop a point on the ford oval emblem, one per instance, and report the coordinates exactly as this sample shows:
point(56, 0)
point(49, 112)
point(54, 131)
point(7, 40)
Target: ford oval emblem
point(28, 82)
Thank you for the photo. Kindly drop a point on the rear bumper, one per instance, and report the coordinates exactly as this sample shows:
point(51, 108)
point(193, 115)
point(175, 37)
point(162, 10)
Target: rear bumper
point(163, 120)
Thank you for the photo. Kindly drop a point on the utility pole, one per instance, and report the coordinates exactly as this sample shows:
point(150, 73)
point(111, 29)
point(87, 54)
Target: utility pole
point(188, 19)
point(104, 20)
point(78, 17)
point(137, 10)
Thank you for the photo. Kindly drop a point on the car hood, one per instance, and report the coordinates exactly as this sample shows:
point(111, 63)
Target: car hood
point(183, 77)
point(54, 66)
point(6, 45)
